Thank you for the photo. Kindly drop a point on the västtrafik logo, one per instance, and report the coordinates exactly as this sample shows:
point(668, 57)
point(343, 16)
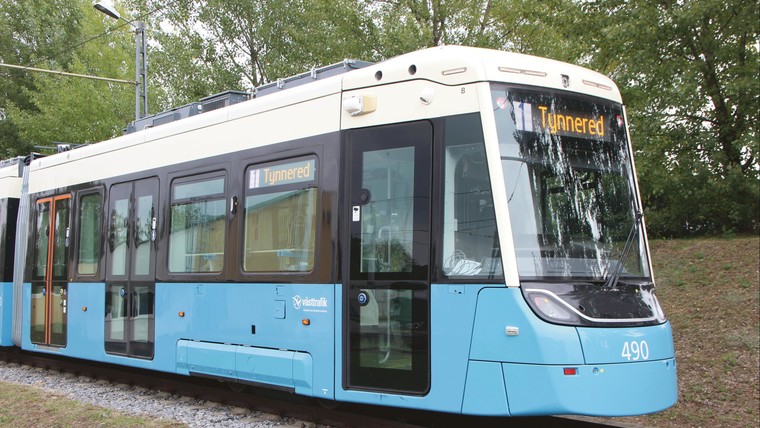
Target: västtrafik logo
point(310, 304)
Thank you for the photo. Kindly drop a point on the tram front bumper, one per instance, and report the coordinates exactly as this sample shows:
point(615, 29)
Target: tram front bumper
point(595, 390)
point(508, 389)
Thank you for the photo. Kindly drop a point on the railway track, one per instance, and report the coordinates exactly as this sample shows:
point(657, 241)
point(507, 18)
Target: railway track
point(277, 406)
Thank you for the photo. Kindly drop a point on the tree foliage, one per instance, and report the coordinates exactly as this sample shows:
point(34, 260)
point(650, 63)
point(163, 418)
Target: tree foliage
point(689, 74)
point(687, 69)
point(30, 32)
point(214, 45)
point(43, 109)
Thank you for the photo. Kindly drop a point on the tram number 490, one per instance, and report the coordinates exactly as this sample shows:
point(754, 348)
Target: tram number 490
point(635, 351)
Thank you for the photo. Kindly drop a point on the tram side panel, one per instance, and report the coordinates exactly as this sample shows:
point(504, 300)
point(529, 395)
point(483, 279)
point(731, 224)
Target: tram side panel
point(231, 328)
point(260, 333)
point(269, 334)
point(6, 313)
point(8, 211)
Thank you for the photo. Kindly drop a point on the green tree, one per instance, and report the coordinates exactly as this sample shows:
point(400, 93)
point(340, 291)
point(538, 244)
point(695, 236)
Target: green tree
point(688, 71)
point(42, 108)
point(33, 33)
point(551, 28)
point(203, 47)
point(407, 25)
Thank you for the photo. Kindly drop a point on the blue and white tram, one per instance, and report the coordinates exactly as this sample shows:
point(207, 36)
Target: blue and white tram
point(455, 229)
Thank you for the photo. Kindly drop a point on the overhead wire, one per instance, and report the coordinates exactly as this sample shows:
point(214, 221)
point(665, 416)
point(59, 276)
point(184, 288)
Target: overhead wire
point(123, 23)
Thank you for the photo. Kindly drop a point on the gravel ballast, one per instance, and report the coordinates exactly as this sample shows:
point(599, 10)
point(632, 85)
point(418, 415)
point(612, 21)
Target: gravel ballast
point(141, 401)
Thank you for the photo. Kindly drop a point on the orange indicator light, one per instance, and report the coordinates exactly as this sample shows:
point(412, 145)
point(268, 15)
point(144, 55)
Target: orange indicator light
point(181, 314)
point(306, 321)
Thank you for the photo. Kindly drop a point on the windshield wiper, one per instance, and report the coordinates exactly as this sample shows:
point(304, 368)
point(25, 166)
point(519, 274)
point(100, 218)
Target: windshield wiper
point(613, 279)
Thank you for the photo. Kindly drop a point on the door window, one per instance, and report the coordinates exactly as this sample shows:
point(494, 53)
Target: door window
point(387, 218)
point(130, 287)
point(49, 304)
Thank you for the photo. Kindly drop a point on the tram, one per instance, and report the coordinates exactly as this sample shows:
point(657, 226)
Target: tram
point(454, 229)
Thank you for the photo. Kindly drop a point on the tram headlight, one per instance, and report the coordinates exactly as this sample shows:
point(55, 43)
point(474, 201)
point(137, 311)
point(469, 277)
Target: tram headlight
point(550, 309)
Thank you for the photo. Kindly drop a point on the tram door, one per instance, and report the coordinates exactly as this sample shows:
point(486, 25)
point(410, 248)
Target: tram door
point(130, 272)
point(386, 277)
point(49, 273)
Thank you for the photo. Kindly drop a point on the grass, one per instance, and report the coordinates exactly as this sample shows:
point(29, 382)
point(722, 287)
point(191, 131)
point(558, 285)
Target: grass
point(25, 406)
point(709, 289)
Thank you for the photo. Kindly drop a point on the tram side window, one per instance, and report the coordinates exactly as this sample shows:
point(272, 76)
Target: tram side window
point(90, 215)
point(470, 242)
point(198, 223)
point(280, 216)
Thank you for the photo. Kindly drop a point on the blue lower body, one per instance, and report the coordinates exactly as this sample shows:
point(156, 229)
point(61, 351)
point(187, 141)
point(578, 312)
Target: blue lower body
point(6, 314)
point(235, 332)
point(267, 334)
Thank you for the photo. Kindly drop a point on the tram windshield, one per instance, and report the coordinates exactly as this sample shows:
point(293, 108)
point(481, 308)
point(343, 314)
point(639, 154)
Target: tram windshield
point(570, 186)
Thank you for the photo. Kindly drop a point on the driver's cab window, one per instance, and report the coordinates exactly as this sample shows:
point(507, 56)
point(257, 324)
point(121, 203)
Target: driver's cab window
point(470, 241)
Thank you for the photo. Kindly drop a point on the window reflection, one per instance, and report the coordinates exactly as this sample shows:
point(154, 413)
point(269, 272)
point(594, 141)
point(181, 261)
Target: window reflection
point(386, 329)
point(470, 241)
point(280, 231)
point(569, 184)
point(387, 219)
point(280, 216)
point(198, 221)
point(90, 213)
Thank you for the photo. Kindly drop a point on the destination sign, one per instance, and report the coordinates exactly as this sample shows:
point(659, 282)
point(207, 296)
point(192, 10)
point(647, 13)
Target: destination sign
point(287, 173)
point(537, 117)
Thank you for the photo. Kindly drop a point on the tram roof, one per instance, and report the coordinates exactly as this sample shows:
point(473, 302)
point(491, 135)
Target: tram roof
point(458, 65)
point(447, 65)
